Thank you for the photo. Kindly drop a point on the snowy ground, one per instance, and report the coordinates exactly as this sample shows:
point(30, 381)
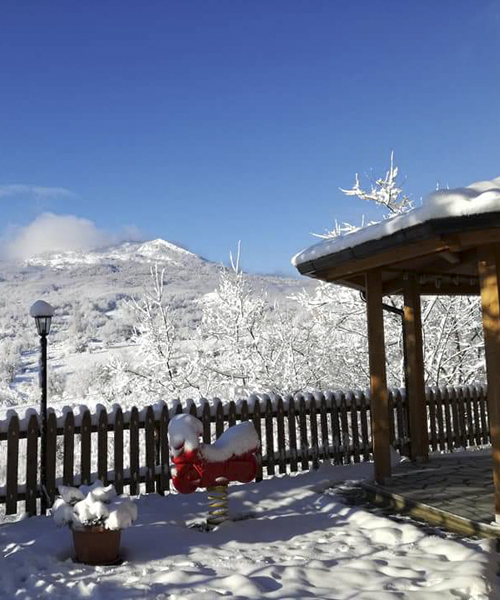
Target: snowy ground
point(301, 542)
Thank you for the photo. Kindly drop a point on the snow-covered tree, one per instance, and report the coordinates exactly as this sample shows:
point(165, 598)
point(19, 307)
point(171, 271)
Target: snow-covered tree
point(231, 342)
point(10, 360)
point(453, 340)
point(160, 367)
point(385, 192)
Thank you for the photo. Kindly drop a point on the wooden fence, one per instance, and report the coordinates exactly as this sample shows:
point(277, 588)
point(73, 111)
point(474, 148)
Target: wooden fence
point(130, 448)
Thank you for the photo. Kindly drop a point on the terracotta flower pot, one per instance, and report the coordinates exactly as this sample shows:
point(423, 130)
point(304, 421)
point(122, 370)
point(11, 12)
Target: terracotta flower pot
point(96, 545)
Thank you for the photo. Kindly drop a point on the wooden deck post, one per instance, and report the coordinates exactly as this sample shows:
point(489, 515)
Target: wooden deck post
point(489, 277)
point(378, 383)
point(419, 437)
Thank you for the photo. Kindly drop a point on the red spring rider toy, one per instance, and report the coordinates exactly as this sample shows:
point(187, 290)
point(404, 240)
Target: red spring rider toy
point(212, 466)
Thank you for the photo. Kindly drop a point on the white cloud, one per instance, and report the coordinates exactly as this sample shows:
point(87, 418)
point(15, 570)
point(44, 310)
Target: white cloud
point(50, 232)
point(39, 191)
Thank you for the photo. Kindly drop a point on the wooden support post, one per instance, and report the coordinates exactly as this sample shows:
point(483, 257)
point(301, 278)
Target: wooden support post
point(489, 276)
point(419, 437)
point(378, 383)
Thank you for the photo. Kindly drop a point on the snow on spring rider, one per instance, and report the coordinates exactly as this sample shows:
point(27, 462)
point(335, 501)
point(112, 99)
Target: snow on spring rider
point(211, 466)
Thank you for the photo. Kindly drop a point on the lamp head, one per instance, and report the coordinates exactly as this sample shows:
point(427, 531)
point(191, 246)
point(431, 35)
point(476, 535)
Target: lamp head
point(42, 312)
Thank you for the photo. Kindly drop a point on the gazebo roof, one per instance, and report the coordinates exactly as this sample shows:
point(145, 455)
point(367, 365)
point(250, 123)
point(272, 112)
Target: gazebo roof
point(437, 241)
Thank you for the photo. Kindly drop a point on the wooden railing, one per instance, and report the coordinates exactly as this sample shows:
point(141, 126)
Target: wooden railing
point(130, 448)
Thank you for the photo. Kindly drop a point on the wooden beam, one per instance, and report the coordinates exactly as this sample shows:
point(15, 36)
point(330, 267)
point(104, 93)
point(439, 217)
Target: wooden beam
point(388, 257)
point(419, 438)
point(479, 237)
point(379, 400)
point(446, 288)
point(489, 273)
point(450, 289)
point(442, 266)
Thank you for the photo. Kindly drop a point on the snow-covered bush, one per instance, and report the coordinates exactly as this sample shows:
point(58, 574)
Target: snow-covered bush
point(57, 384)
point(10, 359)
point(95, 505)
point(115, 330)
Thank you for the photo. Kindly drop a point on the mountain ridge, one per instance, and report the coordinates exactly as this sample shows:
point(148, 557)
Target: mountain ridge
point(146, 251)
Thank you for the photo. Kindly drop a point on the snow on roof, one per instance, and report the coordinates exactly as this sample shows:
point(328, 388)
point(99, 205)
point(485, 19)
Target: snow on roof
point(480, 197)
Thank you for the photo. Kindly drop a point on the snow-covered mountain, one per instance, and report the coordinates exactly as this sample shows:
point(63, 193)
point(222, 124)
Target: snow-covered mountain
point(61, 277)
point(155, 250)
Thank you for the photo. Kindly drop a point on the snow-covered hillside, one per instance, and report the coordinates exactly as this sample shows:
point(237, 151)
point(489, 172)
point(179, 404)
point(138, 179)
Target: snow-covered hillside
point(89, 291)
point(117, 271)
point(138, 252)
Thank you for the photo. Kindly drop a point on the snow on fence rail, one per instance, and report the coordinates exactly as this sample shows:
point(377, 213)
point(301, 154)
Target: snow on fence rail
point(130, 448)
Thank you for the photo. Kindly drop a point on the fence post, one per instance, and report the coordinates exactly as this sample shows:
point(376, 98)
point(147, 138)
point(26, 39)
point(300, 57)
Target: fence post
point(243, 411)
point(32, 465)
point(12, 465)
point(102, 447)
point(336, 436)
point(149, 434)
point(483, 405)
point(402, 441)
point(205, 419)
point(219, 418)
point(269, 435)
point(193, 410)
point(456, 433)
point(324, 427)
point(313, 427)
point(51, 457)
point(292, 433)
point(280, 418)
point(461, 417)
point(118, 451)
point(431, 403)
point(134, 451)
point(429, 395)
point(231, 414)
point(354, 427)
point(440, 421)
point(257, 425)
point(447, 417)
point(85, 435)
point(365, 438)
point(304, 444)
point(477, 420)
point(470, 419)
point(346, 450)
point(69, 448)
point(162, 483)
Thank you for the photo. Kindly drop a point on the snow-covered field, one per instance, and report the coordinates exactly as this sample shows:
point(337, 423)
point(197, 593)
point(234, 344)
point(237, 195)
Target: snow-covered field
point(300, 541)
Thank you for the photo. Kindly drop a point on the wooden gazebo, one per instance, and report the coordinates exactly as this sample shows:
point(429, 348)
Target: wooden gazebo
point(452, 255)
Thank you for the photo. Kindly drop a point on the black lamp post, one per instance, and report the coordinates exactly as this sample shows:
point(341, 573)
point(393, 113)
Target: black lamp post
point(42, 313)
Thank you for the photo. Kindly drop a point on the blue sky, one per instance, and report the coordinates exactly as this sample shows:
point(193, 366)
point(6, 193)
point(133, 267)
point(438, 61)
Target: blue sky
point(209, 121)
